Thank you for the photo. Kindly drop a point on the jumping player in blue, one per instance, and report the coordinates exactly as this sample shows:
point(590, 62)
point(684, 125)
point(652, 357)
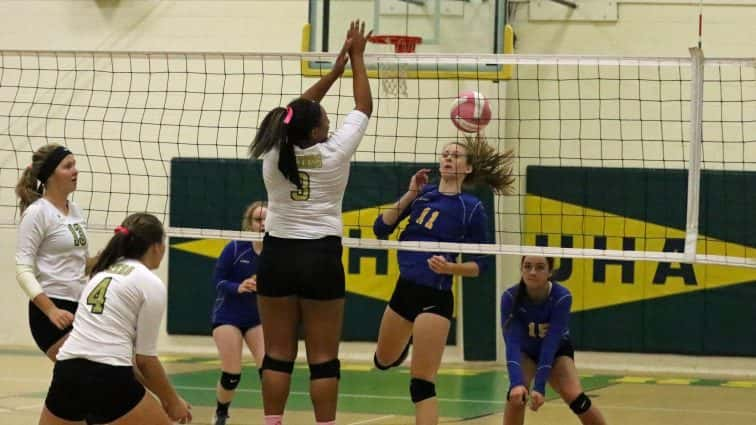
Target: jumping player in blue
point(235, 317)
point(422, 303)
point(535, 315)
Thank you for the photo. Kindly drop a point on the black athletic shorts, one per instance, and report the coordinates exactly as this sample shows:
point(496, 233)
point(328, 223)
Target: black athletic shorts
point(307, 268)
point(101, 393)
point(43, 331)
point(410, 299)
point(242, 328)
point(565, 349)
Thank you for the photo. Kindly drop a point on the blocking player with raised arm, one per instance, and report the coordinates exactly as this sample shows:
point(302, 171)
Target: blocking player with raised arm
point(115, 328)
point(235, 318)
point(51, 248)
point(535, 316)
point(300, 278)
point(422, 304)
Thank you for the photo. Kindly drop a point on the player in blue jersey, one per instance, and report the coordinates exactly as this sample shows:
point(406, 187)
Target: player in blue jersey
point(422, 303)
point(535, 315)
point(235, 317)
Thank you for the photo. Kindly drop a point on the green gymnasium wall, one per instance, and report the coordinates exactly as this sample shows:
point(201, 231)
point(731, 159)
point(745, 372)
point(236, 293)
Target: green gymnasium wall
point(649, 306)
point(212, 194)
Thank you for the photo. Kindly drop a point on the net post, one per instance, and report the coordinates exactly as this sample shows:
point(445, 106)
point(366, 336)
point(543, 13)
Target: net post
point(695, 153)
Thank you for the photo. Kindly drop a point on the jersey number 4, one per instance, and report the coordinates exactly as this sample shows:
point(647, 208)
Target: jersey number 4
point(96, 297)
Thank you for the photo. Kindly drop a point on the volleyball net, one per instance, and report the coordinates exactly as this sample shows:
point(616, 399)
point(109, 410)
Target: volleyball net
point(616, 158)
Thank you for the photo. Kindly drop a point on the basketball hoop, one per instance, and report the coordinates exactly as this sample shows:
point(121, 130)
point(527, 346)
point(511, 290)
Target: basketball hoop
point(402, 43)
point(393, 76)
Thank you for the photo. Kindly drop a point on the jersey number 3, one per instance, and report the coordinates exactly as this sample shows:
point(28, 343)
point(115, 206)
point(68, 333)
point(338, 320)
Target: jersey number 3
point(302, 194)
point(96, 297)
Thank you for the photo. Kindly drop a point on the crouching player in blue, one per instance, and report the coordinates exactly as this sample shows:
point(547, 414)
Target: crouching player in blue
point(535, 314)
point(235, 317)
point(422, 303)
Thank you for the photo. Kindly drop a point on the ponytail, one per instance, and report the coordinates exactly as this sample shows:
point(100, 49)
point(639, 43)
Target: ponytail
point(490, 167)
point(29, 188)
point(131, 240)
point(282, 128)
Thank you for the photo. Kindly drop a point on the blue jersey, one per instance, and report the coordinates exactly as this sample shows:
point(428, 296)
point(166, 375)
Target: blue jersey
point(535, 329)
point(436, 217)
point(236, 263)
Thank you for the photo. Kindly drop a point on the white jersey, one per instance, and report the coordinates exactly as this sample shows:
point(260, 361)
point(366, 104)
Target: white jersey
point(315, 211)
point(119, 315)
point(56, 246)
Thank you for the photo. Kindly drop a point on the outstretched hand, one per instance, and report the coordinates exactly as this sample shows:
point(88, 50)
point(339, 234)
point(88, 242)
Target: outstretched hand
point(341, 60)
point(419, 180)
point(359, 39)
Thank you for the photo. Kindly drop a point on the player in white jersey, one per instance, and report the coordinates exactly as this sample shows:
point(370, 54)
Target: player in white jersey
point(116, 328)
point(51, 249)
point(300, 277)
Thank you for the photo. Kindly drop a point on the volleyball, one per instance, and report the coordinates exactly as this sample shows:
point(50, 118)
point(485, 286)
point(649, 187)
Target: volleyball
point(471, 112)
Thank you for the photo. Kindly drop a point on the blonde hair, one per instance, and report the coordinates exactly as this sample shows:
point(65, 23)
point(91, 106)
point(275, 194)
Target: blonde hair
point(28, 189)
point(489, 166)
point(247, 217)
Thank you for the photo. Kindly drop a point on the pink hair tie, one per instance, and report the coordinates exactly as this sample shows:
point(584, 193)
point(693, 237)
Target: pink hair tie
point(121, 229)
point(289, 114)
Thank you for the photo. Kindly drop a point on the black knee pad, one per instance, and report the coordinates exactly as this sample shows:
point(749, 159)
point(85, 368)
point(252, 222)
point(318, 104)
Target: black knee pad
point(420, 389)
point(329, 369)
point(283, 366)
point(229, 381)
point(581, 404)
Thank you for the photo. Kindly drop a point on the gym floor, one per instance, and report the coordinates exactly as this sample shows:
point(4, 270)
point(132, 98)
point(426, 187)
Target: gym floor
point(469, 394)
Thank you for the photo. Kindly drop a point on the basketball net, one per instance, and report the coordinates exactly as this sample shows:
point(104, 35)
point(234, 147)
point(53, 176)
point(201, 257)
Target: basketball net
point(393, 78)
point(393, 75)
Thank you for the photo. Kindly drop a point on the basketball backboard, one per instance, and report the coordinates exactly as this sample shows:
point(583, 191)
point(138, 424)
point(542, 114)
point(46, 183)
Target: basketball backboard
point(445, 26)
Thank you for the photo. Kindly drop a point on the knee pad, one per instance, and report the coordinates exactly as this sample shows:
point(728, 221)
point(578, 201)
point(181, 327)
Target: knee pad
point(283, 366)
point(420, 389)
point(229, 381)
point(329, 369)
point(581, 404)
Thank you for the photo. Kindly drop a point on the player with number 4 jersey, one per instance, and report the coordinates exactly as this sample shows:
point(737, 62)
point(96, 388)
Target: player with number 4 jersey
point(115, 331)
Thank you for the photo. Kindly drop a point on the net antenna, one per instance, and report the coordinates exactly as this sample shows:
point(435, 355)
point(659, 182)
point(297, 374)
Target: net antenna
point(393, 74)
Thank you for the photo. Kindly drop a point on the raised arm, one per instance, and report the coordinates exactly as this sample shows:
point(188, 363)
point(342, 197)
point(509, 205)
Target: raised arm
point(417, 182)
point(321, 87)
point(363, 99)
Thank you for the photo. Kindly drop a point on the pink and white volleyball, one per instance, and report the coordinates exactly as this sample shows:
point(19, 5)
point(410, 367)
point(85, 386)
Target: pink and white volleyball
point(471, 112)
